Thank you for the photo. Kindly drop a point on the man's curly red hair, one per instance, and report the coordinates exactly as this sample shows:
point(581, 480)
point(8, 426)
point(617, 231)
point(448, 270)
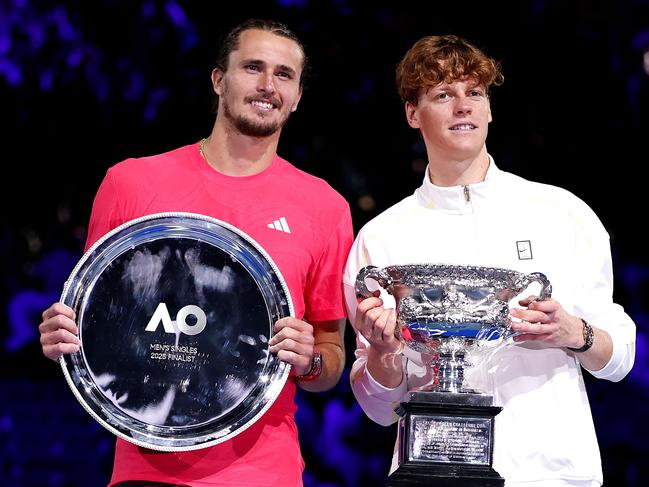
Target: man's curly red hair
point(436, 59)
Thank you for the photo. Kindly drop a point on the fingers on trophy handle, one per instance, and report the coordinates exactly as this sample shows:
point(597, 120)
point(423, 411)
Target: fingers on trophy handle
point(546, 287)
point(372, 272)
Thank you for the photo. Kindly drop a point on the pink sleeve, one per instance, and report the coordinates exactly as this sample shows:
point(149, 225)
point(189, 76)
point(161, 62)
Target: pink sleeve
point(106, 213)
point(323, 294)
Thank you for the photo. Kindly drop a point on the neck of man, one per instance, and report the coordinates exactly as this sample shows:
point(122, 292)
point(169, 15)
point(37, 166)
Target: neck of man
point(458, 172)
point(234, 154)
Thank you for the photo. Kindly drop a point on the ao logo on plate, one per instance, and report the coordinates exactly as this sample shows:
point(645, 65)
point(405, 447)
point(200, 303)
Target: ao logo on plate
point(161, 315)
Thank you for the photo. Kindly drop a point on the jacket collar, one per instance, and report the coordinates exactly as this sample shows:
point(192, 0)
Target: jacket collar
point(455, 199)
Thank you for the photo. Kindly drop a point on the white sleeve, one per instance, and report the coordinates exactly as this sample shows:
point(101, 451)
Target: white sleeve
point(594, 302)
point(377, 401)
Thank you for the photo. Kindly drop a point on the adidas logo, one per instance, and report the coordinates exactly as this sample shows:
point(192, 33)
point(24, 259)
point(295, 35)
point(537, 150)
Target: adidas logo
point(280, 225)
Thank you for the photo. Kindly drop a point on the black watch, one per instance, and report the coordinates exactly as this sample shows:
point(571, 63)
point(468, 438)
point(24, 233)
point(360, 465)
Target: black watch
point(588, 338)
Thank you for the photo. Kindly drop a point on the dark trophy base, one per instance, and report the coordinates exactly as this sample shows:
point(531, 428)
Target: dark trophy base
point(446, 440)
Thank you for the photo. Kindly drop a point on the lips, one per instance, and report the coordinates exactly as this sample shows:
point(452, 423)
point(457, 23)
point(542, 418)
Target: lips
point(466, 126)
point(264, 104)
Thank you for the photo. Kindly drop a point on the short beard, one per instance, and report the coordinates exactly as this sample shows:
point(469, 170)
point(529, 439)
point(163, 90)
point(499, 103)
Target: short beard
point(252, 128)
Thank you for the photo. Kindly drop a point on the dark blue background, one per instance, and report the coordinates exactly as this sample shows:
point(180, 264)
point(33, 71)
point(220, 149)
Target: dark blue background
point(84, 85)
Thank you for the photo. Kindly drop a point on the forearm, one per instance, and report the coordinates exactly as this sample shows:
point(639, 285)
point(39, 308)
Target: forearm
point(333, 363)
point(377, 401)
point(599, 354)
point(386, 369)
point(328, 340)
point(612, 354)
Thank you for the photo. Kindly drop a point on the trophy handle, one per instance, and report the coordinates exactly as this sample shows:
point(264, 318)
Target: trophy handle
point(373, 272)
point(546, 287)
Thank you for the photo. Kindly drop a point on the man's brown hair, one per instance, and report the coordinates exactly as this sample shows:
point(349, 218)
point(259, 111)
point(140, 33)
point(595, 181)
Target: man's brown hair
point(443, 59)
point(231, 42)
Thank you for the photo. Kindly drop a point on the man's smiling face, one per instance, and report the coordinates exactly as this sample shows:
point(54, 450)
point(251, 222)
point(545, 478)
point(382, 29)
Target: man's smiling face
point(261, 85)
point(453, 119)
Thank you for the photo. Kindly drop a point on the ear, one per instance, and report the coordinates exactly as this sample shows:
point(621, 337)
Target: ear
point(297, 100)
point(217, 81)
point(412, 115)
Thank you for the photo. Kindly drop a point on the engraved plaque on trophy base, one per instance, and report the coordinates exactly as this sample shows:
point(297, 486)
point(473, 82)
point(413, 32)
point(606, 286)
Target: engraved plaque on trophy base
point(446, 440)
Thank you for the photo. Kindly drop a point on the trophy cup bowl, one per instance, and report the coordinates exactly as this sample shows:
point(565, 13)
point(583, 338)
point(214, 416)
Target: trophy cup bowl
point(450, 311)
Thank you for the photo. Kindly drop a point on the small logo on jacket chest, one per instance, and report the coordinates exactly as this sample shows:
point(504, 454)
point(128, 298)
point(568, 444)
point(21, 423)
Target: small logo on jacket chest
point(524, 248)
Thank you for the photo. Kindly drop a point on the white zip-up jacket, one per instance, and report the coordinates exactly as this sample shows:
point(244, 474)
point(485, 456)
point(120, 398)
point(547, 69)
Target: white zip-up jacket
point(545, 434)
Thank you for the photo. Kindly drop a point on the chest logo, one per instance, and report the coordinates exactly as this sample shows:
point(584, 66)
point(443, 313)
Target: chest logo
point(524, 248)
point(281, 225)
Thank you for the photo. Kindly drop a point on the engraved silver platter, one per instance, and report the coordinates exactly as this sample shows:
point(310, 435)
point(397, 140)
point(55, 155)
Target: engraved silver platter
point(175, 311)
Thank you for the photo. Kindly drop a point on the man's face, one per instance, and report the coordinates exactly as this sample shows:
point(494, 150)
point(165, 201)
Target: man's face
point(261, 86)
point(453, 119)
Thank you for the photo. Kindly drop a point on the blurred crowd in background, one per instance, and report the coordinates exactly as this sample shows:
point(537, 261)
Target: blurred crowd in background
point(84, 85)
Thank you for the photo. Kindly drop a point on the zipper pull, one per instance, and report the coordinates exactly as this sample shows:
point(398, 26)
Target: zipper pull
point(467, 195)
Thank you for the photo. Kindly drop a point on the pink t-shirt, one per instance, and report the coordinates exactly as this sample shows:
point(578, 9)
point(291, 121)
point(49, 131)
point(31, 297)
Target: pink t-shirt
point(309, 243)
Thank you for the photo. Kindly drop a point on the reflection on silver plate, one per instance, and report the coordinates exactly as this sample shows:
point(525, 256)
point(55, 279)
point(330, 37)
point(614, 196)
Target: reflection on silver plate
point(175, 311)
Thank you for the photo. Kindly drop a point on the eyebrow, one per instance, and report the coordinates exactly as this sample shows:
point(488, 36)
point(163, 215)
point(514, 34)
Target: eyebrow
point(446, 86)
point(259, 62)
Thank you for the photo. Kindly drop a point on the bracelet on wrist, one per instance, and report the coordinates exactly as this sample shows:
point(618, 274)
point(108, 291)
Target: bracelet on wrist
point(315, 370)
point(588, 338)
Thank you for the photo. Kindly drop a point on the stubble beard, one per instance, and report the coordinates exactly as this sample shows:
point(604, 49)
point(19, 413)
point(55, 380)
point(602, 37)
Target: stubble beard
point(250, 127)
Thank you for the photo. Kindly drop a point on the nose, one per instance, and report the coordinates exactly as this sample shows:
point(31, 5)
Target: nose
point(266, 83)
point(463, 106)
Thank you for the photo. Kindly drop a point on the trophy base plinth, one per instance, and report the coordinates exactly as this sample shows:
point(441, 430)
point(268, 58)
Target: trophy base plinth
point(446, 440)
point(449, 476)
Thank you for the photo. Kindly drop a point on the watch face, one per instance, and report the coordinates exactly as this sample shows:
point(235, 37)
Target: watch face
point(175, 312)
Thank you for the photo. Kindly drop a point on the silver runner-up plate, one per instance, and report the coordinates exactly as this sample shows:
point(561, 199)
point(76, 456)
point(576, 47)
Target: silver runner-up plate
point(175, 311)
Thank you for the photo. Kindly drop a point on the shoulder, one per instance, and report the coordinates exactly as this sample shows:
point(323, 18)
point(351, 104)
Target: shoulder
point(310, 189)
point(542, 192)
point(398, 214)
point(550, 202)
point(136, 167)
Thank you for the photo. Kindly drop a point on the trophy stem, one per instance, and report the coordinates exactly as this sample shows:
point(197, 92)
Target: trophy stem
point(450, 371)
